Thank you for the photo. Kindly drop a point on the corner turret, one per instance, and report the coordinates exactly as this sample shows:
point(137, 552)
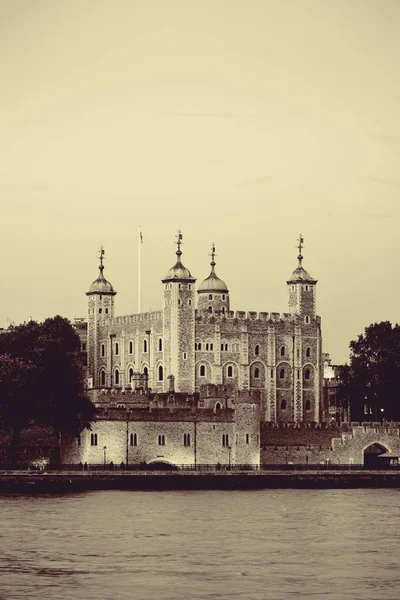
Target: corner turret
point(213, 293)
point(302, 289)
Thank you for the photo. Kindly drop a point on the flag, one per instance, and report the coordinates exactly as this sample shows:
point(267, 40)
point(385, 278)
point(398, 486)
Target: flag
point(141, 237)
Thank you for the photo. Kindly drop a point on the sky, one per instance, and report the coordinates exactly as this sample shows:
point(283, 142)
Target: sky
point(240, 122)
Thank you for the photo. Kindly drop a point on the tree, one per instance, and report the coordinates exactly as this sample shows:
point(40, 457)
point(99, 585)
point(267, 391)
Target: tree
point(42, 378)
point(372, 380)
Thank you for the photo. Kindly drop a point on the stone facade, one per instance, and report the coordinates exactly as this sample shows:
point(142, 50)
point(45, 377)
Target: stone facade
point(276, 354)
point(219, 425)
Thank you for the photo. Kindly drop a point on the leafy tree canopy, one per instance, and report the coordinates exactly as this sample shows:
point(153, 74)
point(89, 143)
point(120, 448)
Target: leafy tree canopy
point(42, 378)
point(372, 380)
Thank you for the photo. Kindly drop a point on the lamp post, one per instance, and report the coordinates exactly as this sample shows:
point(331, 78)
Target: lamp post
point(105, 455)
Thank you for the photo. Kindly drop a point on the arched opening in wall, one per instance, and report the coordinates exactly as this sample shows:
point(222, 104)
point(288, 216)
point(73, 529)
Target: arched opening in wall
point(218, 406)
point(202, 371)
point(160, 373)
point(159, 465)
point(210, 296)
point(308, 352)
point(281, 373)
point(257, 350)
point(223, 310)
point(307, 374)
point(230, 371)
point(146, 372)
point(130, 375)
point(116, 377)
point(102, 378)
point(283, 351)
point(210, 309)
point(283, 405)
point(371, 460)
point(256, 373)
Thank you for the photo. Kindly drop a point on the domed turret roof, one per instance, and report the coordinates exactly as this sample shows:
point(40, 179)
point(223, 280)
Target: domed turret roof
point(101, 285)
point(300, 274)
point(179, 272)
point(212, 283)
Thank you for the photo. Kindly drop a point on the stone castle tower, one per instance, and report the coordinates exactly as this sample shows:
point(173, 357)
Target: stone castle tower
point(276, 354)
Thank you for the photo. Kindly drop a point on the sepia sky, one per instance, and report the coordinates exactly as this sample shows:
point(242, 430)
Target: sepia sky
point(241, 122)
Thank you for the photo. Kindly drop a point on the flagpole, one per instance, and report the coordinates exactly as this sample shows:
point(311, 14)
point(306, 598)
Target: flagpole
point(140, 243)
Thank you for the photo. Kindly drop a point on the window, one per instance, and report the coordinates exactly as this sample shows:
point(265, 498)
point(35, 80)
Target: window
point(210, 309)
point(144, 345)
point(179, 286)
point(283, 351)
point(179, 301)
point(307, 319)
point(211, 346)
point(308, 405)
point(116, 377)
point(133, 439)
point(256, 373)
point(226, 347)
point(161, 440)
point(257, 350)
point(103, 350)
point(282, 374)
point(131, 375)
point(293, 288)
point(283, 405)
point(210, 296)
point(230, 371)
point(99, 310)
point(78, 439)
point(225, 439)
point(306, 288)
point(190, 302)
point(223, 310)
point(116, 349)
point(160, 373)
point(185, 356)
point(146, 372)
point(272, 373)
point(199, 346)
point(186, 439)
point(308, 352)
point(247, 438)
point(223, 296)
point(222, 347)
point(103, 377)
point(307, 374)
point(160, 345)
point(298, 373)
point(106, 311)
point(218, 406)
point(298, 353)
point(93, 439)
point(207, 346)
point(190, 286)
point(130, 347)
point(202, 371)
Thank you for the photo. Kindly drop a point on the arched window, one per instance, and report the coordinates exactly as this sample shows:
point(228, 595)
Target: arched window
point(307, 374)
point(186, 439)
point(283, 351)
point(103, 350)
point(257, 350)
point(210, 296)
point(223, 296)
point(222, 347)
point(199, 346)
point(308, 405)
point(226, 347)
point(116, 377)
point(211, 346)
point(206, 346)
point(283, 405)
point(131, 375)
point(102, 377)
point(160, 373)
point(223, 310)
point(100, 310)
point(256, 373)
point(146, 372)
point(133, 439)
point(218, 406)
point(308, 352)
point(116, 349)
point(230, 371)
point(210, 309)
point(281, 373)
point(202, 371)
point(160, 345)
point(130, 347)
point(144, 345)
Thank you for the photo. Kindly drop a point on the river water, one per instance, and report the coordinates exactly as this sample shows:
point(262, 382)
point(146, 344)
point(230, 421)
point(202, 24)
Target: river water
point(255, 545)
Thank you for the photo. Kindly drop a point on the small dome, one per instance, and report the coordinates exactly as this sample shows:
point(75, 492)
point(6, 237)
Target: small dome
point(101, 286)
point(178, 271)
point(212, 283)
point(300, 274)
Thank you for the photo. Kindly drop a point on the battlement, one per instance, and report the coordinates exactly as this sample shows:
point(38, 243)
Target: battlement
point(148, 317)
point(241, 315)
point(165, 414)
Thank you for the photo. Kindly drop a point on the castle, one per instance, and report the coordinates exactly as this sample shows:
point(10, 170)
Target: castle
point(204, 341)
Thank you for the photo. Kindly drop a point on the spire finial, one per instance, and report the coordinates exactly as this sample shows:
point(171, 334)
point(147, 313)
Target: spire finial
point(101, 256)
point(300, 247)
point(179, 237)
point(213, 255)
